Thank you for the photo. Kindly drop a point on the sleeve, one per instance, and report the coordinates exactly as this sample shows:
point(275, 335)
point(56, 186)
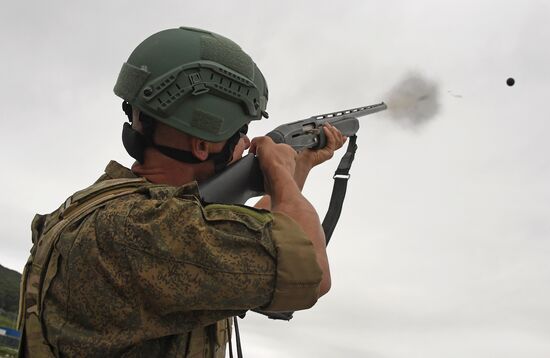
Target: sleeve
point(298, 273)
point(178, 255)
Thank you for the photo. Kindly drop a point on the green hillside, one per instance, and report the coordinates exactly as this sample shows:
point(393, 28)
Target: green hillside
point(9, 289)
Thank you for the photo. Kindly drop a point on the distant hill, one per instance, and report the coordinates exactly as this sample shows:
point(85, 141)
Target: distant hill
point(9, 289)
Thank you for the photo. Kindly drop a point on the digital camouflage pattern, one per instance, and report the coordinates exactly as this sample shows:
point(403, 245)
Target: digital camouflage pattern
point(156, 273)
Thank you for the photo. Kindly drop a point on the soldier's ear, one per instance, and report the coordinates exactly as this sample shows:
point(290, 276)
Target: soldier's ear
point(199, 148)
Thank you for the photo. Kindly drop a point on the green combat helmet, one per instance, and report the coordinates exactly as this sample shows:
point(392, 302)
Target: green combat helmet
point(196, 81)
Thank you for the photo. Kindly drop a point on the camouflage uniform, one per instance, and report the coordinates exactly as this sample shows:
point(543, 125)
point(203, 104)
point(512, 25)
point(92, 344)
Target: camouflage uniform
point(157, 273)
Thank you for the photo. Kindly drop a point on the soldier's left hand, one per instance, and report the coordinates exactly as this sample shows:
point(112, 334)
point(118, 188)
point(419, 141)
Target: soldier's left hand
point(313, 157)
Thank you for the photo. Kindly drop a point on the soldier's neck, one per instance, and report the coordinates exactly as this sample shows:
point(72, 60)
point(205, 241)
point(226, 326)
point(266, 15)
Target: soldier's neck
point(160, 169)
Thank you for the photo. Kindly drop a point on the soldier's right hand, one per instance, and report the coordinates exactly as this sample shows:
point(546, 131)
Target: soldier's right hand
point(277, 162)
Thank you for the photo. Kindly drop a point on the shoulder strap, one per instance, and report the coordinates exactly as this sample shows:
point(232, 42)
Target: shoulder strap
point(34, 283)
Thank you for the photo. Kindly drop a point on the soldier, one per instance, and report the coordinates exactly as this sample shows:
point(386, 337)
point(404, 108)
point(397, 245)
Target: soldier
point(136, 264)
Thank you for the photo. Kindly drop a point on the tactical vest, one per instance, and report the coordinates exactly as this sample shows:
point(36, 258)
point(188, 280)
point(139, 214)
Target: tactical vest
point(41, 268)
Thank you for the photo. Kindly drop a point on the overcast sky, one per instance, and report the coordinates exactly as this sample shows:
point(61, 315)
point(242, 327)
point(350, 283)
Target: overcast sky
point(443, 245)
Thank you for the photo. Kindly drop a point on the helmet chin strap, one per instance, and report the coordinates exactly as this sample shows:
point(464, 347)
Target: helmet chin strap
point(135, 143)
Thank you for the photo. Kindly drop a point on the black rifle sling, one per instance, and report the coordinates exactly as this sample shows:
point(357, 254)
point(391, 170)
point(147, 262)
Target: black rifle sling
point(341, 177)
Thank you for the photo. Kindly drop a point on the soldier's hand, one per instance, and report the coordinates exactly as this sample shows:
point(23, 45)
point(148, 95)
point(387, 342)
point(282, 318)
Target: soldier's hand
point(277, 162)
point(313, 157)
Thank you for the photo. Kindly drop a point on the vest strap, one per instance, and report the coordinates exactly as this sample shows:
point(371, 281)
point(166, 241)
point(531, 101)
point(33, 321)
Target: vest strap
point(42, 264)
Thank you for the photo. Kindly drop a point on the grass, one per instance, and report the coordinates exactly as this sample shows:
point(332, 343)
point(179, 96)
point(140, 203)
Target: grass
point(7, 322)
point(6, 352)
